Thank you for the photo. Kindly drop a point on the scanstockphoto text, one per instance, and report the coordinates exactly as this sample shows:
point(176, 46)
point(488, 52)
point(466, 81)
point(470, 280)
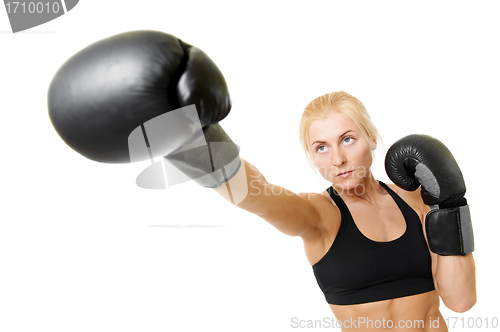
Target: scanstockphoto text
point(453, 322)
point(255, 187)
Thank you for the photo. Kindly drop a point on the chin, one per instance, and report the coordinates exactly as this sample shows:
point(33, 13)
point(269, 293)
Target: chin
point(348, 184)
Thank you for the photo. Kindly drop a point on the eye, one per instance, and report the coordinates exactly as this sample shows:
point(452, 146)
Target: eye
point(318, 147)
point(352, 138)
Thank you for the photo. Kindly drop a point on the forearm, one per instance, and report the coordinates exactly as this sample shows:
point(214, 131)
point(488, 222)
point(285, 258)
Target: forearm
point(244, 188)
point(455, 279)
point(291, 213)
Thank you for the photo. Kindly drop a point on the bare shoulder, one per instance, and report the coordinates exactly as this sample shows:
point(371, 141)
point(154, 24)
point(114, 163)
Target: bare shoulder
point(328, 225)
point(327, 209)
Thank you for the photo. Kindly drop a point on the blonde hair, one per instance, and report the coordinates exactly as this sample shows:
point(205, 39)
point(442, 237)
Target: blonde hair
point(342, 102)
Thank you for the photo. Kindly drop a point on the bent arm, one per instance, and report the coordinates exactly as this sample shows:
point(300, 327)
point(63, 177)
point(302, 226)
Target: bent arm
point(454, 276)
point(291, 213)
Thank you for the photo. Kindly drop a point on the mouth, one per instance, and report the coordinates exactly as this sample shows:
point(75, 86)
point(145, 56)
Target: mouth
point(344, 174)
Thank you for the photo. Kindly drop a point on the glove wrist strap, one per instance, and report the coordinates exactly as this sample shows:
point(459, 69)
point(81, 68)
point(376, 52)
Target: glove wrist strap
point(449, 231)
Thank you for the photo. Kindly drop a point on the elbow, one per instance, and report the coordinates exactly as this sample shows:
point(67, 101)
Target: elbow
point(463, 305)
point(462, 308)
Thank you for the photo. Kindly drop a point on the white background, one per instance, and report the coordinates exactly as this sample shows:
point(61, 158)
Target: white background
point(80, 245)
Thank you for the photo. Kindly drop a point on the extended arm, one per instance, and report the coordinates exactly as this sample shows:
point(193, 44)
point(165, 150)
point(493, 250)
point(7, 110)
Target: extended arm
point(291, 213)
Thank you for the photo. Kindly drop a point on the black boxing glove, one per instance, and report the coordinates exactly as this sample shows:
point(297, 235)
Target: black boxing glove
point(103, 94)
point(421, 160)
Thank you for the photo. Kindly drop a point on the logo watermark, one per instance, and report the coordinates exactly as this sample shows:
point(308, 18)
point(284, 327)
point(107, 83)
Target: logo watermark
point(26, 14)
point(362, 322)
point(452, 322)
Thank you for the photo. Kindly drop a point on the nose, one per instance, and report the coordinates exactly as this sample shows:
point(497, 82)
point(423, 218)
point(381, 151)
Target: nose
point(338, 158)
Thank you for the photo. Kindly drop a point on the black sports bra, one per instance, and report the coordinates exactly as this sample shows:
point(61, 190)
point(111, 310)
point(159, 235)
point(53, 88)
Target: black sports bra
point(357, 269)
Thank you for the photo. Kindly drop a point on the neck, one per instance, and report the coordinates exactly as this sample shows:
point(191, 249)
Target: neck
point(366, 191)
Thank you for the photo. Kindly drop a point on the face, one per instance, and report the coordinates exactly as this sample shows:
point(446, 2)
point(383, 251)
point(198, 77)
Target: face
point(336, 146)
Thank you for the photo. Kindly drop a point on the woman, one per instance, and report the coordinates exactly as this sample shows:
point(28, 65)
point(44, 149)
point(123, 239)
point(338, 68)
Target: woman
point(364, 239)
